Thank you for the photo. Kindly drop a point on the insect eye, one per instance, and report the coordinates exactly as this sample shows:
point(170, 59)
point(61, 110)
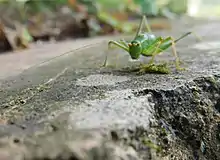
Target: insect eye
point(137, 44)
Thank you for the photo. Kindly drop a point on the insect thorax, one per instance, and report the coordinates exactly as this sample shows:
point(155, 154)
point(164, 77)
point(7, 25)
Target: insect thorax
point(145, 37)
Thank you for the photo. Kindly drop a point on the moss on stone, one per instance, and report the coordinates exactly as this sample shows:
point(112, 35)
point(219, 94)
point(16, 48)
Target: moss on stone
point(150, 68)
point(153, 68)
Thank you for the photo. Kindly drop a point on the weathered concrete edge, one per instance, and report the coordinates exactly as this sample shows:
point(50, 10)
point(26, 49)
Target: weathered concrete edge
point(195, 92)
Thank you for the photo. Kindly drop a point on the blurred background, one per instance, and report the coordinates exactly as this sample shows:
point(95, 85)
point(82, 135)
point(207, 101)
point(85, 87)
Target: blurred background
point(28, 21)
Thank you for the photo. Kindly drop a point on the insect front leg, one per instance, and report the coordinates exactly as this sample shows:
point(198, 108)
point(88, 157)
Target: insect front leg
point(122, 44)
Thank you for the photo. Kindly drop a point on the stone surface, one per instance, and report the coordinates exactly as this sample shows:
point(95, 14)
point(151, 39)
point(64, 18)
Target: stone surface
point(52, 108)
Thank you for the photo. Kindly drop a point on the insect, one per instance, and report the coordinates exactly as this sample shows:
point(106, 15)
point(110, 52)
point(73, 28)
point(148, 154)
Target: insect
point(148, 45)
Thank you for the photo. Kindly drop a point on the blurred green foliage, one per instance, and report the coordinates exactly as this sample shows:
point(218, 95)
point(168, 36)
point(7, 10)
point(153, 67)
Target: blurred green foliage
point(113, 12)
point(149, 7)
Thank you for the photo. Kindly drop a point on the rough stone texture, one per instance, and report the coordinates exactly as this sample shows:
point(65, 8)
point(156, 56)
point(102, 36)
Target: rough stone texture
point(72, 107)
point(64, 144)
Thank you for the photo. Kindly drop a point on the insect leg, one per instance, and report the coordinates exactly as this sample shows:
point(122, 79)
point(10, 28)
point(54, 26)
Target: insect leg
point(122, 41)
point(140, 27)
point(147, 24)
point(121, 44)
point(175, 53)
point(188, 33)
point(156, 51)
point(163, 45)
point(199, 38)
point(152, 48)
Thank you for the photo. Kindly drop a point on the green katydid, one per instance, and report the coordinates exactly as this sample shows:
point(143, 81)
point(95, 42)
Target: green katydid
point(148, 45)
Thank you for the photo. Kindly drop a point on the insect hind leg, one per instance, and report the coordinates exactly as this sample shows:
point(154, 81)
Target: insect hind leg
point(140, 27)
point(198, 38)
point(177, 61)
